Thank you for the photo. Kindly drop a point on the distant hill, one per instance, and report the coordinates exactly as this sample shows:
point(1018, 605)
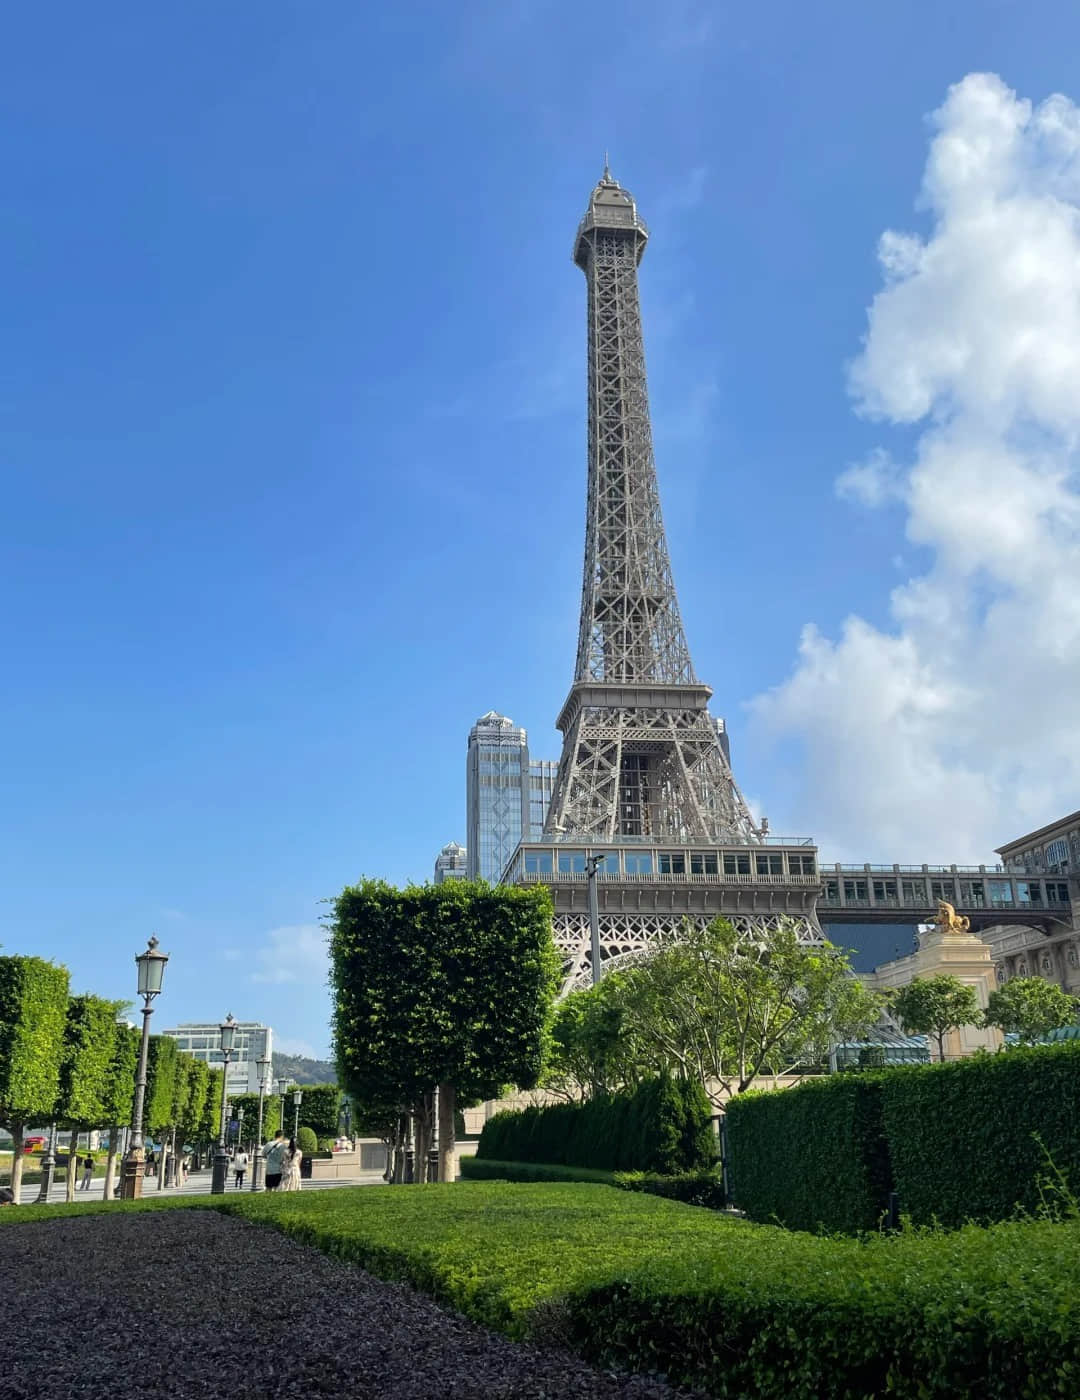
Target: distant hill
point(300, 1071)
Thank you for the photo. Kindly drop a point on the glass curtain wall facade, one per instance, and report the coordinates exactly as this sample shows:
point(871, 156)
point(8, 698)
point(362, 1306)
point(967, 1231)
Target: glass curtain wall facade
point(542, 772)
point(450, 863)
point(496, 794)
point(203, 1042)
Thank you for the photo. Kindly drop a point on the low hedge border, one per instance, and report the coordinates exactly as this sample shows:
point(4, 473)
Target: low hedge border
point(734, 1309)
point(483, 1169)
point(703, 1188)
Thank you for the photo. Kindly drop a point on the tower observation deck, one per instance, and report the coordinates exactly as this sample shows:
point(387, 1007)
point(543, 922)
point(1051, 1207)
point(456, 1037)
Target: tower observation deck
point(643, 782)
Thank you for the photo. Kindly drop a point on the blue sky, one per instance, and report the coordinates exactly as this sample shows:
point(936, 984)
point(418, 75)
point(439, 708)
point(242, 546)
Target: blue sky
point(292, 436)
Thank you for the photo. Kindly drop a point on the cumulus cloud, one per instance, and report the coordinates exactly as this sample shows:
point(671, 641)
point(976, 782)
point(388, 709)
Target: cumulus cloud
point(958, 726)
point(293, 953)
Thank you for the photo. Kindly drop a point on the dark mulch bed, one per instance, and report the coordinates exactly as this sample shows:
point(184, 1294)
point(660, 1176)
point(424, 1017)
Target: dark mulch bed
point(191, 1303)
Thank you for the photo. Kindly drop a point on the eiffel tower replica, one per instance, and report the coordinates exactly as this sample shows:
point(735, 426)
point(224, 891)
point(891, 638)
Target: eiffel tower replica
point(646, 822)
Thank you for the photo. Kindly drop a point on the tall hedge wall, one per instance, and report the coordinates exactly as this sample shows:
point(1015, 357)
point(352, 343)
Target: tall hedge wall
point(814, 1157)
point(662, 1126)
point(963, 1135)
point(957, 1142)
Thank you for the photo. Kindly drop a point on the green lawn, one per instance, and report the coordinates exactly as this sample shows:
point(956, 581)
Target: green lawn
point(648, 1284)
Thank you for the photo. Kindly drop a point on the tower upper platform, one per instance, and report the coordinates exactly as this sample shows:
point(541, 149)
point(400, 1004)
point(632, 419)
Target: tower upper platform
point(610, 207)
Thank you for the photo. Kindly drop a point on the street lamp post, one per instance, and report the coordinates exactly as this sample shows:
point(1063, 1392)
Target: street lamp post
point(240, 1128)
point(258, 1166)
point(592, 865)
point(151, 965)
point(282, 1085)
point(297, 1099)
point(221, 1159)
point(48, 1164)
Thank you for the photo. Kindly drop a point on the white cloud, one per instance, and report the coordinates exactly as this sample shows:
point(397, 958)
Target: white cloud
point(871, 482)
point(293, 953)
point(959, 727)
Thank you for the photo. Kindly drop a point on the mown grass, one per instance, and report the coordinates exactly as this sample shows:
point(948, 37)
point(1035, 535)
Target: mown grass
point(738, 1309)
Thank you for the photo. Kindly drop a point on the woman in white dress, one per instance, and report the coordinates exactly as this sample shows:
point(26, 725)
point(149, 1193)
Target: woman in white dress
point(290, 1164)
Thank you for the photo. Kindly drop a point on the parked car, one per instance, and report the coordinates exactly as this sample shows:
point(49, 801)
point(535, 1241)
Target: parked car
point(34, 1144)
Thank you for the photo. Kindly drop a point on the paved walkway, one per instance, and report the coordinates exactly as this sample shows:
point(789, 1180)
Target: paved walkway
point(197, 1184)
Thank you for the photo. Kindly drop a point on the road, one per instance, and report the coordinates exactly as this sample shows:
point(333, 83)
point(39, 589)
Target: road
point(197, 1184)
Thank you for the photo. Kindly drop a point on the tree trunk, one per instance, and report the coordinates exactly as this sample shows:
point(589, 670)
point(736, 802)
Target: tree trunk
point(447, 1141)
point(110, 1161)
point(421, 1141)
point(72, 1166)
point(18, 1127)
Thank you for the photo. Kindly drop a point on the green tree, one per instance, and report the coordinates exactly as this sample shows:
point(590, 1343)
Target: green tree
point(271, 1115)
point(592, 1048)
point(198, 1086)
point(1030, 1008)
point(723, 1007)
point(89, 1046)
point(935, 1006)
point(210, 1121)
point(448, 986)
point(161, 1073)
point(320, 1109)
point(33, 1011)
point(118, 1098)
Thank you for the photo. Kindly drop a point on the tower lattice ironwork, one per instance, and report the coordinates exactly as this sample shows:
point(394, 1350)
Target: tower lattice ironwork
point(641, 756)
point(646, 829)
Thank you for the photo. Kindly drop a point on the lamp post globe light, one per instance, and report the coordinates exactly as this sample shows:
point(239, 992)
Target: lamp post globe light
point(297, 1099)
point(151, 965)
point(221, 1159)
point(258, 1165)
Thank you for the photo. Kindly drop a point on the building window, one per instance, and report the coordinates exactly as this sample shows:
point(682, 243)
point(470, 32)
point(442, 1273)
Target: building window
point(771, 863)
point(972, 895)
point(855, 892)
point(801, 865)
point(885, 892)
point(537, 862)
point(943, 889)
point(1001, 894)
point(831, 893)
point(703, 863)
point(1057, 892)
point(736, 863)
point(913, 893)
point(571, 862)
point(1057, 855)
point(672, 863)
point(638, 862)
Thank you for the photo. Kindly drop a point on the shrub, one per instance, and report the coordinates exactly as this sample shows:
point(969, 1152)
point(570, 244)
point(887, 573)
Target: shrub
point(477, 1169)
point(306, 1140)
point(969, 1140)
point(701, 1188)
point(812, 1157)
point(662, 1126)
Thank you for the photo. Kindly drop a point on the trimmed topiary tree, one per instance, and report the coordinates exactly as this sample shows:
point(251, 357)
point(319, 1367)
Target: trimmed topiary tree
point(33, 1011)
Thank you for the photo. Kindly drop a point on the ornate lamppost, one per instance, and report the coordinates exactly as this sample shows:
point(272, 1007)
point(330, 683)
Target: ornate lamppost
point(297, 1099)
point(282, 1085)
point(48, 1164)
point(151, 965)
point(258, 1166)
point(221, 1158)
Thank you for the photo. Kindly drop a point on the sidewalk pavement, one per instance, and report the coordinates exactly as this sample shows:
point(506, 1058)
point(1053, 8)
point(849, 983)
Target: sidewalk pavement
point(197, 1184)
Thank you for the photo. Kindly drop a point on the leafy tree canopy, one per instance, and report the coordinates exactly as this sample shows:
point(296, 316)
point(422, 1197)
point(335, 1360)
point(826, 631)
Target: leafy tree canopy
point(1030, 1008)
point(90, 1034)
point(724, 1006)
point(433, 984)
point(33, 1012)
point(935, 1006)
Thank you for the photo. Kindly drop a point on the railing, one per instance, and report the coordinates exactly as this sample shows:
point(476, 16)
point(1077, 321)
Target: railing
point(536, 877)
point(915, 869)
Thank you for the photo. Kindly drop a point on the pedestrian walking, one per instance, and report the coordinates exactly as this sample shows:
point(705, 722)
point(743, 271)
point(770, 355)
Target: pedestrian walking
point(274, 1151)
point(87, 1173)
point(291, 1160)
point(240, 1161)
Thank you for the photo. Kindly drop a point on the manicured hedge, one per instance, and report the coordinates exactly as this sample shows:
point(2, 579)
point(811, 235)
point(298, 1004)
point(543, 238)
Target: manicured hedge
point(957, 1142)
point(813, 1157)
point(965, 1137)
point(725, 1307)
point(486, 1169)
point(662, 1126)
point(699, 1188)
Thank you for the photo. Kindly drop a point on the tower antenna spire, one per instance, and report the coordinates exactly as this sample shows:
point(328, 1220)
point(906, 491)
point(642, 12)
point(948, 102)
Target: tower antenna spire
point(607, 167)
